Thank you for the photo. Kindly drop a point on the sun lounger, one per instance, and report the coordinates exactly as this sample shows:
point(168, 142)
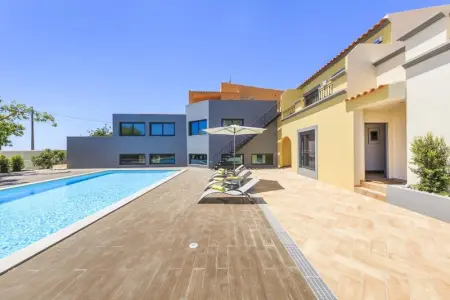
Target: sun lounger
point(224, 175)
point(242, 191)
point(224, 172)
point(229, 180)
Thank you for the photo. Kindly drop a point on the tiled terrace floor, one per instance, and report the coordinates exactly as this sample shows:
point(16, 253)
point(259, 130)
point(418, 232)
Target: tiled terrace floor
point(141, 252)
point(363, 248)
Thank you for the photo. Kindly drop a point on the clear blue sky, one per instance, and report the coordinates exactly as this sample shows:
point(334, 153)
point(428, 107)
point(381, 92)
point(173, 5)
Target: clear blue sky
point(90, 59)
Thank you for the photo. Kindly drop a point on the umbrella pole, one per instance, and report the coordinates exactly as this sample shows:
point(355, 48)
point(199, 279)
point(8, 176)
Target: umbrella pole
point(234, 158)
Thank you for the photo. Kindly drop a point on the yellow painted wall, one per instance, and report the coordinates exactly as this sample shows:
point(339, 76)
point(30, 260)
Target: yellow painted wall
point(325, 75)
point(335, 140)
point(385, 33)
point(289, 96)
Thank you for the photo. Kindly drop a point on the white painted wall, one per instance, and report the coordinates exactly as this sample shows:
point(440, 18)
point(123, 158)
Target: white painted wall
point(405, 21)
point(431, 37)
point(358, 132)
point(361, 73)
point(395, 117)
point(428, 109)
point(391, 70)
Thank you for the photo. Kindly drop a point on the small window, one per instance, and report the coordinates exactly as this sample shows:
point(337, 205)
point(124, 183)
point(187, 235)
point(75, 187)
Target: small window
point(132, 159)
point(374, 135)
point(132, 129)
point(228, 159)
point(198, 159)
point(228, 122)
point(162, 129)
point(196, 127)
point(378, 40)
point(162, 159)
point(262, 159)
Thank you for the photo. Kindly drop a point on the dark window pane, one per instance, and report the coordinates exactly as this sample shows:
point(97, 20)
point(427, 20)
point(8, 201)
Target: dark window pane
point(130, 129)
point(307, 150)
point(156, 129)
point(169, 129)
point(126, 129)
point(198, 159)
point(228, 122)
point(201, 126)
point(139, 129)
point(262, 159)
point(196, 127)
point(132, 159)
point(162, 159)
point(228, 159)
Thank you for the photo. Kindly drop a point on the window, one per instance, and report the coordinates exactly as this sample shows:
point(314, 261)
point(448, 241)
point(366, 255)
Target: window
point(132, 129)
point(198, 159)
point(162, 129)
point(228, 159)
point(374, 135)
point(262, 159)
point(308, 150)
point(312, 96)
point(162, 159)
point(228, 122)
point(379, 40)
point(196, 127)
point(132, 159)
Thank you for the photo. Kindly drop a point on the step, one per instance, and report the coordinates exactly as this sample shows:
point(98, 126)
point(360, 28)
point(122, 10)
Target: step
point(376, 186)
point(370, 193)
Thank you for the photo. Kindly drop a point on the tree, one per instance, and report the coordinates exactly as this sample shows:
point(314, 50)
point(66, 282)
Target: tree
point(430, 156)
point(13, 112)
point(102, 131)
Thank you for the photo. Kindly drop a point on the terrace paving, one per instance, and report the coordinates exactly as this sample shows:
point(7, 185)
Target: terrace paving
point(141, 251)
point(362, 248)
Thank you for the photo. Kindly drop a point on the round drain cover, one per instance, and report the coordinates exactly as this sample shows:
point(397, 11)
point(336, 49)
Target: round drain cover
point(193, 245)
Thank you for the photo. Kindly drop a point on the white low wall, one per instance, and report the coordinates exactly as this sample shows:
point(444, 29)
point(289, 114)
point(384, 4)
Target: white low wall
point(26, 154)
point(431, 205)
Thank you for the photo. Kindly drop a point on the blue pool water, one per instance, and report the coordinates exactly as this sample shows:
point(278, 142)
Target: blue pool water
point(30, 213)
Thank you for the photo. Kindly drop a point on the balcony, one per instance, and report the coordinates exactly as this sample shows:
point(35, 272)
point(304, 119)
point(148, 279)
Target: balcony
point(312, 97)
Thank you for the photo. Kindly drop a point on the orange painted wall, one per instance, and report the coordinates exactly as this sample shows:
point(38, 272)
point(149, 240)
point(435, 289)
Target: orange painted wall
point(231, 91)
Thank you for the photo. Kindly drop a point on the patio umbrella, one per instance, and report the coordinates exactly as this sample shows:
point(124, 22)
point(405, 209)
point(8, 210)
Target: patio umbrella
point(234, 130)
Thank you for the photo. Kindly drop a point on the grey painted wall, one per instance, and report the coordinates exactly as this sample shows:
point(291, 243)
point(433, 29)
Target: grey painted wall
point(262, 144)
point(249, 110)
point(103, 152)
point(197, 144)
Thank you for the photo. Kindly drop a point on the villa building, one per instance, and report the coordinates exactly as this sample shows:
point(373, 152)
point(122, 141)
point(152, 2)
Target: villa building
point(155, 140)
point(357, 115)
point(353, 119)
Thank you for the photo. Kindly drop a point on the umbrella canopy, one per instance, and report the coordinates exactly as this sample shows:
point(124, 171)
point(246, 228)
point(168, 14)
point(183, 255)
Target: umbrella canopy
point(234, 130)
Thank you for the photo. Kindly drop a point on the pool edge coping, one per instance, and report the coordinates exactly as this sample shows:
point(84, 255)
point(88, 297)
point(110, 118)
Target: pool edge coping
point(13, 260)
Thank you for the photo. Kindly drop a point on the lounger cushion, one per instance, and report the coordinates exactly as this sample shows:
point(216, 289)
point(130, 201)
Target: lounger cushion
point(228, 178)
point(218, 187)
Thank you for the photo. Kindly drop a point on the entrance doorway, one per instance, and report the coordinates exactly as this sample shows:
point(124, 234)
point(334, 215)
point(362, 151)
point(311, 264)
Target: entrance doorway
point(376, 150)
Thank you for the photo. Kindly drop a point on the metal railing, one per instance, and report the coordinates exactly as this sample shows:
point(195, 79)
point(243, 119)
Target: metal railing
point(241, 140)
point(312, 97)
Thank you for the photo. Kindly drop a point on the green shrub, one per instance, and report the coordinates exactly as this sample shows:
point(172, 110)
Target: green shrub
point(4, 164)
point(48, 158)
point(17, 163)
point(431, 160)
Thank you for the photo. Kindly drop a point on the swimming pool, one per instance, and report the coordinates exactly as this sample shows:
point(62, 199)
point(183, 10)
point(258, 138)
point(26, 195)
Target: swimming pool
point(31, 212)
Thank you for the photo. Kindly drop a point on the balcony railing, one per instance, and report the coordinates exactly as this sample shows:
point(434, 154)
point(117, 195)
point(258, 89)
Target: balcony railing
point(310, 98)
